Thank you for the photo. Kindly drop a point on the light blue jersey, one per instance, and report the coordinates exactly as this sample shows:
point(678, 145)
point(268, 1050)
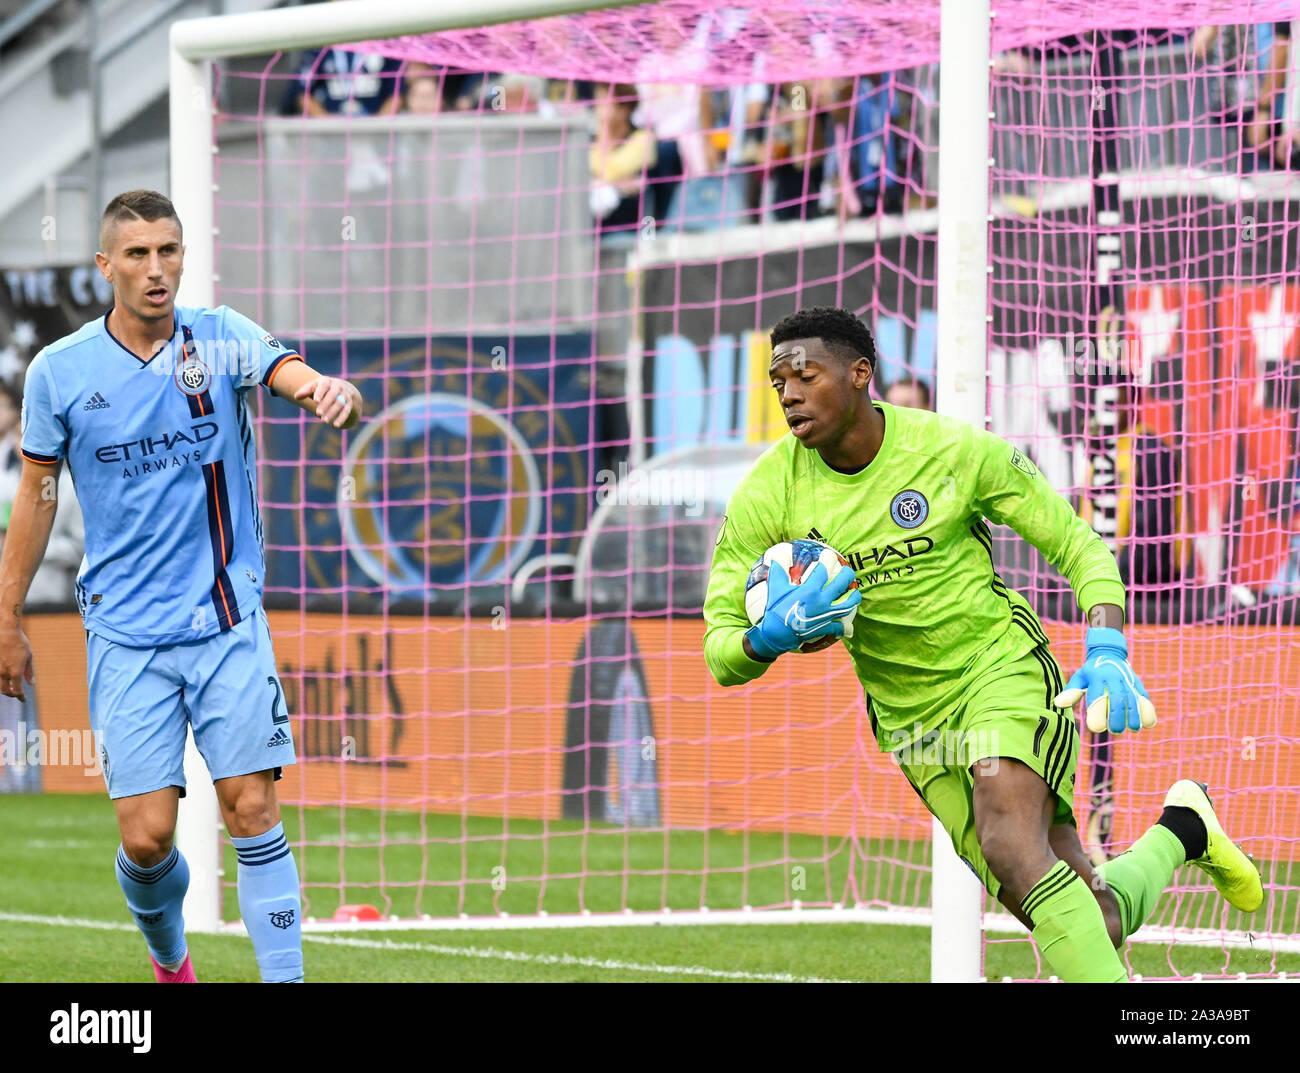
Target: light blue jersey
point(162, 455)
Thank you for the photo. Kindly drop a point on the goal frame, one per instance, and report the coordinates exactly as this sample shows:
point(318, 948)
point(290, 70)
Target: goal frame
point(961, 374)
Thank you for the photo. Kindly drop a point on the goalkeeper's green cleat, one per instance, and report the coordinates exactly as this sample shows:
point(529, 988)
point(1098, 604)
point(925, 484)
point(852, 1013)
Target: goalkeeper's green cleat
point(1233, 874)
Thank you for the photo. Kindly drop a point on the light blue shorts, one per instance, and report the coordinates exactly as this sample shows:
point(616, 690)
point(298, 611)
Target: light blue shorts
point(225, 687)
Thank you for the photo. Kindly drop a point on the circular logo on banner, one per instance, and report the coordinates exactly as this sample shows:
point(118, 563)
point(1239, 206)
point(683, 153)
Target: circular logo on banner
point(192, 376)
point(437, 489)
point(909, 509)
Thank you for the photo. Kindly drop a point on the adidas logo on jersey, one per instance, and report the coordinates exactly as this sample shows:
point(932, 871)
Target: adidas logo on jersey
point(278, 738)
point(97, 402)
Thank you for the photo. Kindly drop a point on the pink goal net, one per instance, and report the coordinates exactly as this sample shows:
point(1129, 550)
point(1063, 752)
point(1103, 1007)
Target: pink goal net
point(550, 254)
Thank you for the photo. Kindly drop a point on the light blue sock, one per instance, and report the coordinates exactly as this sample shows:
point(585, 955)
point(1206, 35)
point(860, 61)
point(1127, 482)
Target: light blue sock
point(270, 904)
point(155, 896)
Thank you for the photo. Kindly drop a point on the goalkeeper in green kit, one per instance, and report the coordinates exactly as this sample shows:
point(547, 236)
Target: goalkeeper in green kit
point(959, 682)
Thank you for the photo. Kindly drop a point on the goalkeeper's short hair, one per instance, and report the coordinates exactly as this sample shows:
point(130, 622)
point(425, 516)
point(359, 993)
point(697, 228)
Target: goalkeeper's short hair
point(838, 328)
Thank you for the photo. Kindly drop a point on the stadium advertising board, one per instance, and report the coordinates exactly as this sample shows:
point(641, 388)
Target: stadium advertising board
point(455, 715)
point(40, 305)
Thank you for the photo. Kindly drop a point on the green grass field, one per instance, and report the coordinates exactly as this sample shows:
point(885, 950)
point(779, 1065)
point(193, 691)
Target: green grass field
point(62, 916)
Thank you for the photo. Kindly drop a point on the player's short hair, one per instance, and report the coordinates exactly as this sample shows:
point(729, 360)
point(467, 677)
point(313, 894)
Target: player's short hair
point(147, 205)
point(838, 329)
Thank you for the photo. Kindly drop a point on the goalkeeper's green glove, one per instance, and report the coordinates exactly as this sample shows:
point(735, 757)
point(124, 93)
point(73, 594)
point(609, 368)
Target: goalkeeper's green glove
point(797, 614)
point(1116, 696)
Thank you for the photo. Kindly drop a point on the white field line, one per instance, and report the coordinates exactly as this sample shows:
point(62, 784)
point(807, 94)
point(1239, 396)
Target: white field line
point(474, 952)
point(628, 918)
point(66, 922)
point(571, 960)
point(993, 922)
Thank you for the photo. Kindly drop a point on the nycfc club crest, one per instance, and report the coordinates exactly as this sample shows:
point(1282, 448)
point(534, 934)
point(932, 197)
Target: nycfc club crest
point(909, 509)
point(192, 376)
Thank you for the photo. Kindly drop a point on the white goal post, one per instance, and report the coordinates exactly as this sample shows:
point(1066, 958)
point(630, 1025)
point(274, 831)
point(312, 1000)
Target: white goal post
point(961, 378)
point(963, 325)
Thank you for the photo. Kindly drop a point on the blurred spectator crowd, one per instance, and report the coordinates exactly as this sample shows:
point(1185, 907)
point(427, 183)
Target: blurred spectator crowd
point(685, 156)
point(689, 157)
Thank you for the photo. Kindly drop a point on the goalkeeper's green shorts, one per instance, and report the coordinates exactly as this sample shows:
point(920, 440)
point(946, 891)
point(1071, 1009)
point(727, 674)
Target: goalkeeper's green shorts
point(1007, 713)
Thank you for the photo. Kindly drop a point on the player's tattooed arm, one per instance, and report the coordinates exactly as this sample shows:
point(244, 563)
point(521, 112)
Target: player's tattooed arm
point(1106, 616)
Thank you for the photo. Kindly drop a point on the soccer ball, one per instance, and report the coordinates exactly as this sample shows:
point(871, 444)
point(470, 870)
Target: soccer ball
point(798, 557)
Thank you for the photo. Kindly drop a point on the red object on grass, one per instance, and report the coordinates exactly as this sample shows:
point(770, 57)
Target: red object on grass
point(346, 913)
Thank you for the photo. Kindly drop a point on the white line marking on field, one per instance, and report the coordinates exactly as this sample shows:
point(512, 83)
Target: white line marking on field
point(56, 843)
point(482, 953)
point(67, 922)
point(569, 959)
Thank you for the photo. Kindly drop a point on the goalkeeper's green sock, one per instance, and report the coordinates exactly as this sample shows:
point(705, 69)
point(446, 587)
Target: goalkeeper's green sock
point(1141, 873)
point(1070, 930)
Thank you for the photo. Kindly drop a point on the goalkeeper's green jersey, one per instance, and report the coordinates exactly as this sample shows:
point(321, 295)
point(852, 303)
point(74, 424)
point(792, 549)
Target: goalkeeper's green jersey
point(934, 613)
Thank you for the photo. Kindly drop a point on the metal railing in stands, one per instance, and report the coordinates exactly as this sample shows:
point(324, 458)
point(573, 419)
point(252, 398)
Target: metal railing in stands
point(22, 19)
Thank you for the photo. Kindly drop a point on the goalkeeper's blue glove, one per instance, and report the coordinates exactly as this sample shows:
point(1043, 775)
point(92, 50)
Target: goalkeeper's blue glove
point(797, 614)
point(1116, 696)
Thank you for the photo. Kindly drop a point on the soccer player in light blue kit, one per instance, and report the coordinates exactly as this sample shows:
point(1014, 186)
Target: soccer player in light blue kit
point(149, 407)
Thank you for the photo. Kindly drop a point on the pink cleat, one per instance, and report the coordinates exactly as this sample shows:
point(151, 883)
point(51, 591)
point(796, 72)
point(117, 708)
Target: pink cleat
point(183, 975)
